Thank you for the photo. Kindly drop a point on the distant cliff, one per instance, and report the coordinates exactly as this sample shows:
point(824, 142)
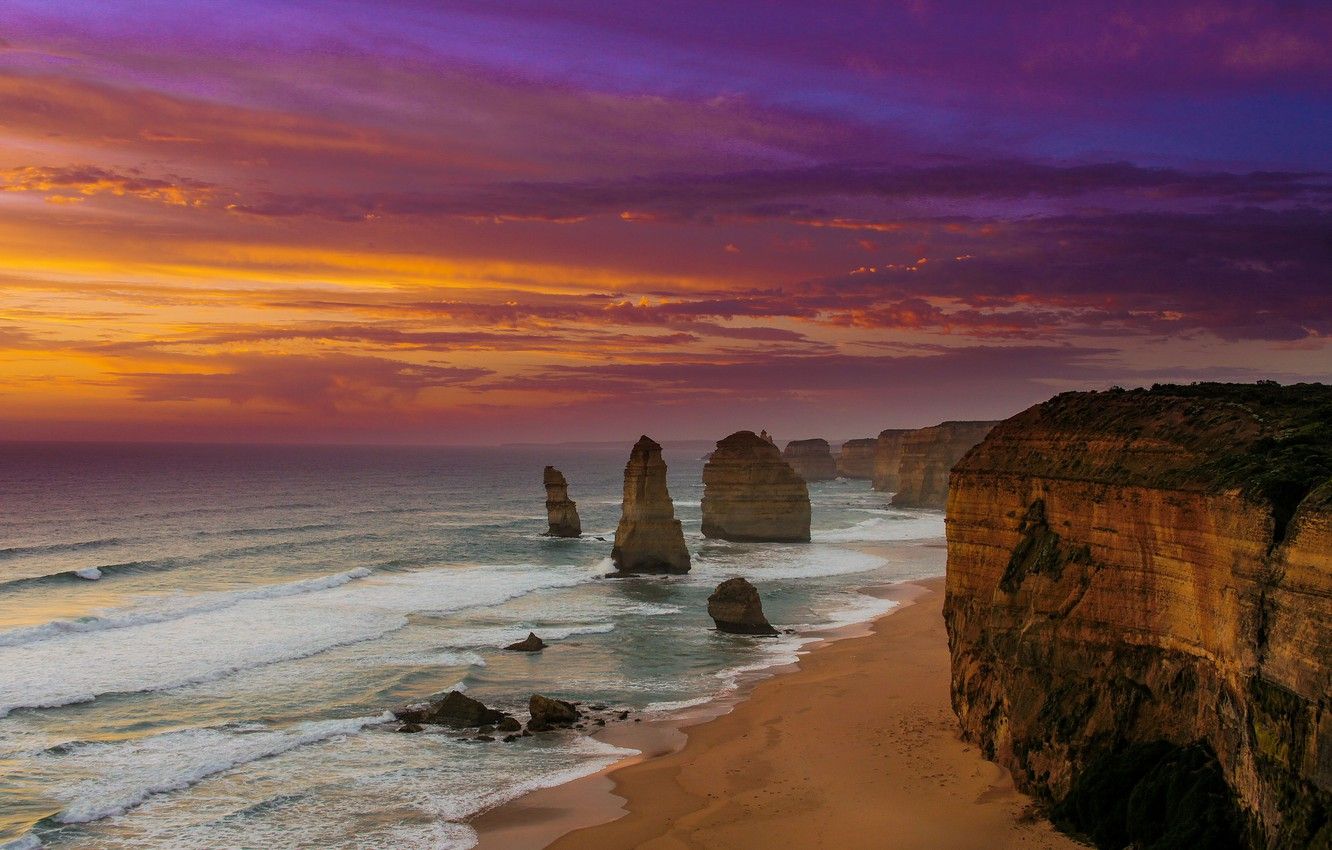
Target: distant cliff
point(1139, 608)
point(928, 454)
point(856, 459)
point(811, 459)
point(888, 459)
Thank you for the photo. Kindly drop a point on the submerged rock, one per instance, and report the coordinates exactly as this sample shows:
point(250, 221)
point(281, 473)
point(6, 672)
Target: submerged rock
point(751, 494)
point(811, 459)
point(548, 713)
point(454, 709)
point(735, 607)
point(531, 643)
point(561, 511)
point(649, 538)
point(856, 458)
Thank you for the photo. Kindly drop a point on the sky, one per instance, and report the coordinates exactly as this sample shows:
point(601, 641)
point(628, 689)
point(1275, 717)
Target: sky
point(472, 223)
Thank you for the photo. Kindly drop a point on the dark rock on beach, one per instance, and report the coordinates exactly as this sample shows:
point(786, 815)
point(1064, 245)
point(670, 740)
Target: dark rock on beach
point(453, 709)
point(548, 713)
point(531, 643)
point(736, 608)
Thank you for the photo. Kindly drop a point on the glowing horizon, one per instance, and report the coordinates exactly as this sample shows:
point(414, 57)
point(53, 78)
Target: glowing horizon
point(397, 222)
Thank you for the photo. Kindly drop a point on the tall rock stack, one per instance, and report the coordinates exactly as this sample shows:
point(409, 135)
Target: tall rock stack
point(856, 459)
point(751, 494)
point(928, 456)
point(561, 511)
point(1139, 610)
point(649, 538)
point(811, 459)
point(888, 459)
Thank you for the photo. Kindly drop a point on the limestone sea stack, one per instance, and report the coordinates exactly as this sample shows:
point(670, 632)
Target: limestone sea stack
point(856, 459)
point(736, 608)
point(751, 494)
point(928, 456)
point(1139, 609)
point(888, 459)
point(561, 511)
point(649, 538)
point(811, 459)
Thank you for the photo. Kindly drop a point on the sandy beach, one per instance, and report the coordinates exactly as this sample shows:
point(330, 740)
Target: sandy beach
point(855, 748)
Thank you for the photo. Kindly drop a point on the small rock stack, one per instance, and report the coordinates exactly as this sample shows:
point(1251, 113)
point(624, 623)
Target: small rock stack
point(735, 607)
point(561, 511)
point(649, 539)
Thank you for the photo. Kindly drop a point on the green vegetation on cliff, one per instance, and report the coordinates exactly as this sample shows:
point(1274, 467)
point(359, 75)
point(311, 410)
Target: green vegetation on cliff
point(1272, 441)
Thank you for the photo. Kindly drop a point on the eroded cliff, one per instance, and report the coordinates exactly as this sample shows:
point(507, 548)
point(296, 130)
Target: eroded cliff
point(856, 458)
point(888, 459)
point(928, 454)
point(561, 511)
point(751, 493)
point(1139, 608)
point(811, 459)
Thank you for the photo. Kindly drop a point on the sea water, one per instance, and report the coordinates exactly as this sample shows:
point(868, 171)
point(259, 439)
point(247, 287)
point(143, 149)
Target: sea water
point(199, 644)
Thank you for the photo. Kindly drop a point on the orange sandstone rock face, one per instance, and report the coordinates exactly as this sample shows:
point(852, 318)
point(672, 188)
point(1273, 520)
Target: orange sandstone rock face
point(751, 493)
point(856, 459)
point(888, 459)
point(811, 459)
point(928, 454)
point(1150, 572)
point(561, 511)
point(649, 539)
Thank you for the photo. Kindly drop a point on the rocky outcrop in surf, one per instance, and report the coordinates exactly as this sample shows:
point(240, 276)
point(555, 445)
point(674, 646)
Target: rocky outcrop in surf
point(856, 459)
point(735, 607)
point(531, 643)
point(751, 494)
point(452, 709)
point(561, 511)
point(811, 459)
point(1139, 609)
point(928, 455)
point(649, 539)
point(888, 459)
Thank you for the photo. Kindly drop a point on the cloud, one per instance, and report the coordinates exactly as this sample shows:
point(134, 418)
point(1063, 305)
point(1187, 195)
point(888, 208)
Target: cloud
point(325, 384)
point(77, 182)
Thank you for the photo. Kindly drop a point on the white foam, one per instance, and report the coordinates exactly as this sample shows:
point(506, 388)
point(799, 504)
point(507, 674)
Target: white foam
point(212, 644)
point(26, 842)
point(161, 609)
point(790, 562)
point(130, 773)
point(90, 574)
point(895, 525)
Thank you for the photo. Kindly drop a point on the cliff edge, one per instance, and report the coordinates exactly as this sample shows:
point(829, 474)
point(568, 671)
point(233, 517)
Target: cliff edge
point(1139, 610)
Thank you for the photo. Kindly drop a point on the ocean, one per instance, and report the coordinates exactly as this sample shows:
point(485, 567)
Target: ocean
point(199, 644)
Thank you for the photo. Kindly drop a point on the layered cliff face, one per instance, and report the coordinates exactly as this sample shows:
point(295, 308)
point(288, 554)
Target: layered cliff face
point(1139, 608)
point(649, 539)
point(811, 459)
point(561, 511)
point(888, 459)
point(928, 454)
point(856, 459)
point(751, 493)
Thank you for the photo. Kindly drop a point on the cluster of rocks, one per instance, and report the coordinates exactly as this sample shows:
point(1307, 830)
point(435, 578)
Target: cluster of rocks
point(460, 713)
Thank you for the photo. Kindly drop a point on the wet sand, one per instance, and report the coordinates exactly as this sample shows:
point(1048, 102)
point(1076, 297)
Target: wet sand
point(855, 747)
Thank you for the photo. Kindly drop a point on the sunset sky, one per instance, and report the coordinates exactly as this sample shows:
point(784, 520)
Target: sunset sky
point(465, 222)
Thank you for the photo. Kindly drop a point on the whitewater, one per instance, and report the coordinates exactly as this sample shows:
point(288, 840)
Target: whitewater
point(200, 644)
